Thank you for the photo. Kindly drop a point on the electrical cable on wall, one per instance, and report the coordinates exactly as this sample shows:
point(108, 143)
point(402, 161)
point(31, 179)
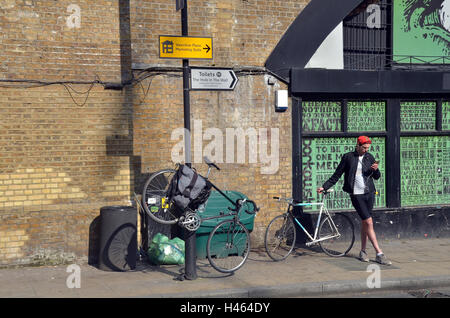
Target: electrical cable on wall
point(148, 73)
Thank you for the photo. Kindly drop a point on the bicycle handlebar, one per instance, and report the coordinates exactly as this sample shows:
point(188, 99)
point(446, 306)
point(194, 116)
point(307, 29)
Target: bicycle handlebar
point(255, 208)
point(240, 203)
point(292, 201)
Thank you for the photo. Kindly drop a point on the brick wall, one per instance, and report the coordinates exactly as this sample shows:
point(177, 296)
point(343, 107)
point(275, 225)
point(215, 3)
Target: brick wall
point(68, 150)
point(41, 41)
point(60, 163)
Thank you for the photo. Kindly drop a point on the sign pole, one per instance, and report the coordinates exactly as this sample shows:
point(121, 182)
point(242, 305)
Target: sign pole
point(190, 266)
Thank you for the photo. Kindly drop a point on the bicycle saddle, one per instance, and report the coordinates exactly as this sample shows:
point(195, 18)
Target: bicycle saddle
point(210, 163)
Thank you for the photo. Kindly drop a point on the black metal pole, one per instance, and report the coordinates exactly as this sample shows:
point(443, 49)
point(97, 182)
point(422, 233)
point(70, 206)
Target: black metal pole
point(392, 170)
point(190, 266)
point(297, 149)
point(297, 169)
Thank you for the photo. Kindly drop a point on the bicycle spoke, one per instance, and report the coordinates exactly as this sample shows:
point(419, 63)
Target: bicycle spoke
point(336, 235)
point(159, 184)
point(228, 246)
point(280, 237)
point(154, 198)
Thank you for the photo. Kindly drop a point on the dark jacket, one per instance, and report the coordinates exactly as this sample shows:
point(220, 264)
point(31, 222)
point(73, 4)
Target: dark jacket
point(348, 165)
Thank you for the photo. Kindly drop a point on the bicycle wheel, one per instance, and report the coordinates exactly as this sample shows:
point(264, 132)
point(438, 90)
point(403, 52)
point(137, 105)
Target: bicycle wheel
point(280, 237)
point(337, 244)
point(228, 246)
point(154, 198)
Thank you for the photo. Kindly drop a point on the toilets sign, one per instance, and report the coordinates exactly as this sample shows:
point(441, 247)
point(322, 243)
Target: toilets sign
point(213, 79)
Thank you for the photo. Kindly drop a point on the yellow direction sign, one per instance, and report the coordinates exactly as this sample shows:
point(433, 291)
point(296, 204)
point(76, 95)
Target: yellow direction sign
point(185, 47)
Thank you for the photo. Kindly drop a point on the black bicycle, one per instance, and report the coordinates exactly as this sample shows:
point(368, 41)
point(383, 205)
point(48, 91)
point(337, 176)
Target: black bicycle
point(228, 244)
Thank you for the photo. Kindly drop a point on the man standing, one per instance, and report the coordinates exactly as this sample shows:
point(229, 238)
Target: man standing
point(360, 168)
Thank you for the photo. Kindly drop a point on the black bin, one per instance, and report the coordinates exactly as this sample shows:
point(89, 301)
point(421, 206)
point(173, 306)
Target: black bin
point(118, 238)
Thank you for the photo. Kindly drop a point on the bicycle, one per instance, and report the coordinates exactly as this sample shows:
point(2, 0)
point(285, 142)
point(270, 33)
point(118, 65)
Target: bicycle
point(334, 232)
point(228, 245)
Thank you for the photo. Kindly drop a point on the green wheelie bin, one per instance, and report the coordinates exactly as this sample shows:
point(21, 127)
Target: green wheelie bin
point(215, 206)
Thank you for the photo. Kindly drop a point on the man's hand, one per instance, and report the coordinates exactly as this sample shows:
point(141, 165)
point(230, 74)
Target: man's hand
point(319, 190)
point(374, 166)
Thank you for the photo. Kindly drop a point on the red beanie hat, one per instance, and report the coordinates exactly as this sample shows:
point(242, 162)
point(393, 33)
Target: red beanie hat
point(364, 140)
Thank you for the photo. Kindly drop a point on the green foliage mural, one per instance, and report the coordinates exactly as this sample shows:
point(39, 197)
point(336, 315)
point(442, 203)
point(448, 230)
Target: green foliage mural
point(422, 30)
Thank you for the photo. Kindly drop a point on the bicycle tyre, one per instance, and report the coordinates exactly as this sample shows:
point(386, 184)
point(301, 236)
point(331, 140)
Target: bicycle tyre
point(280, 237)
point(338, 246)
point(155, 194)
point(228, 246)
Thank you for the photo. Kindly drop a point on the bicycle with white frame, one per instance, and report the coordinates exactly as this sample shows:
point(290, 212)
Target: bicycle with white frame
point(334, 232)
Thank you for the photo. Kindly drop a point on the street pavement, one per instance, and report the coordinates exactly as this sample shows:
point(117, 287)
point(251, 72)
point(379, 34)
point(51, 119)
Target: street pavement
point(419, 264)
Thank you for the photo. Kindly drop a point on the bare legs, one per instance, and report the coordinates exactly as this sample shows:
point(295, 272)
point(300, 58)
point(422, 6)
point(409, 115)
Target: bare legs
point(368, 232)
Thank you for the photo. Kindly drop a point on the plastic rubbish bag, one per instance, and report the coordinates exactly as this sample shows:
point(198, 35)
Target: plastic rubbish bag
point(162, 251)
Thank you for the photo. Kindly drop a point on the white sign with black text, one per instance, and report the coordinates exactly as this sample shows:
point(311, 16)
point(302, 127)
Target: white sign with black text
point(213, 79)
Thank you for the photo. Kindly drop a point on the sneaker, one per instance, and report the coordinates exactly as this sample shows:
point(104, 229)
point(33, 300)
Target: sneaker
point(363, 256)
point(382, 260)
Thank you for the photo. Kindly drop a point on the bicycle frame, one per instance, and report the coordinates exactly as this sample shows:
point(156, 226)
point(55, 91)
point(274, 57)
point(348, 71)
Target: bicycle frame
point(334, 232)
point(233, 212)
point(323, 210)
point(185, 216)
point(237, 207)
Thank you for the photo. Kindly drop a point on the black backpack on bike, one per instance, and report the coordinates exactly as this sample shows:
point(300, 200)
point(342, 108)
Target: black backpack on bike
point(188, 189)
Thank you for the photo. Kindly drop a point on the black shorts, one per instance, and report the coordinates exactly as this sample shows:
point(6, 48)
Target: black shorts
point(363, 204)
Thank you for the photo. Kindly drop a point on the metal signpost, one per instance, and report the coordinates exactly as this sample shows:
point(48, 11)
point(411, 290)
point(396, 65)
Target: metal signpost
point(185, 47)
point(179, 4)
point(190, 270)
point(189, 47)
